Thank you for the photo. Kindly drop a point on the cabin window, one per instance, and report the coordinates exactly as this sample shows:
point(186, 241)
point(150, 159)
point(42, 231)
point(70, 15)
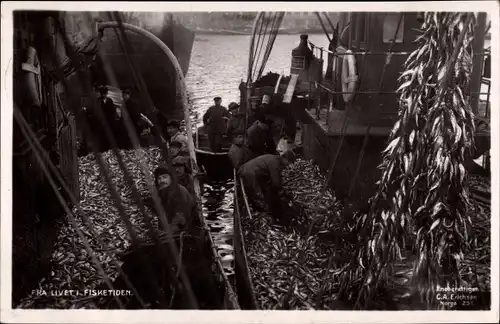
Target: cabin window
point(390, 26)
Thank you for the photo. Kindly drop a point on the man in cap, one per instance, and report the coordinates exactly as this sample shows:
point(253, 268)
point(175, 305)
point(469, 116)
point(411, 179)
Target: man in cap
point(183, 170)
point(215, 124)
point(133, 111)
point(264, 174)
point(179, 204)
point(174, 134)
point(236, 124)
point(108, 110)
point(239, 153)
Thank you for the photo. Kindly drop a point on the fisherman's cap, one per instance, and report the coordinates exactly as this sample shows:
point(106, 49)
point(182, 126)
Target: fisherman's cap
point(217, 98)
point(176, 143)
point(160, 170)
point(233, 105)
point(174, 123)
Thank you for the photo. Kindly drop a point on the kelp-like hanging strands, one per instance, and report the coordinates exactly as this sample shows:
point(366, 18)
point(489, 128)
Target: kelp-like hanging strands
point(423, 193)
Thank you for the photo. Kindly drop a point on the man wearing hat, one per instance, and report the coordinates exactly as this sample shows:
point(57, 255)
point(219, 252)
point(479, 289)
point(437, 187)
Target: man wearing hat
point(236, 124)
point(215, 124)
point(173, 132)
point(239, 153)
point(133, 111)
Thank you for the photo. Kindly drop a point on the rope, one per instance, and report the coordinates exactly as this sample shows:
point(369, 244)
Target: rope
point(323, 26)
point(274, 33)
point(259, 47)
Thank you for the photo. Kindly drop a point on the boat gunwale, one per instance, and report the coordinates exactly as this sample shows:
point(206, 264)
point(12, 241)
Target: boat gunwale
point(238, 230)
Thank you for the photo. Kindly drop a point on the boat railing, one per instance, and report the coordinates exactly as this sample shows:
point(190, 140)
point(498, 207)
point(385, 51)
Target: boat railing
point(244, 281)
point(317, 88)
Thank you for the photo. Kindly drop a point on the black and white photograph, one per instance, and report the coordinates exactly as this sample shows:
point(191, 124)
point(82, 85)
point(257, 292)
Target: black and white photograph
point(262, 160)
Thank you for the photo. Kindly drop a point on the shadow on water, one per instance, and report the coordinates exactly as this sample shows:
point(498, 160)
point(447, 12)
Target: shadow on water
point(217, 203)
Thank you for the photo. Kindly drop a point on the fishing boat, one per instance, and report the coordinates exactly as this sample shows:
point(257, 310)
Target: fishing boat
point(216, 165)
point(211, 286)
point(225, 297)
point(338, 109)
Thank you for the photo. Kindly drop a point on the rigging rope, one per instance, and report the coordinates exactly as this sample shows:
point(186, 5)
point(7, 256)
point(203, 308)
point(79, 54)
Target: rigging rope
point(271, 23)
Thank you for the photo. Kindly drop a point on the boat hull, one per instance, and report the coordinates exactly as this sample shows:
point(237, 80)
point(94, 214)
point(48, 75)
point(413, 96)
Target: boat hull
point(149, 63)
point(216, 165)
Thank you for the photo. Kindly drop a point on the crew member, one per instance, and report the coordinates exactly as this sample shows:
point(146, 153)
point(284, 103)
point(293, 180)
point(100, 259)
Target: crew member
point(184, 173)
point(237, 121)
point(133, 111)
point(215, 124)
point(260, 138)
point(110, 117)
point(178, 203)
point(239, 153)
point(174, 134)
point(264, 174)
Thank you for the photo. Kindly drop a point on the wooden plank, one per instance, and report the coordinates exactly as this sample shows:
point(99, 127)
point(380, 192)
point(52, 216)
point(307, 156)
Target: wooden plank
point(291, 88)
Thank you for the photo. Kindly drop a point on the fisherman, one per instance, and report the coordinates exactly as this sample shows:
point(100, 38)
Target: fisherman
point(262, 175)
point(108, 109)
point(183, 170)
point(260, 138)
point(215, 123)
point(174, 134)
point(107, 106)
point(133, 111)
point(179, 204)
point(239, 153)
point(237, 122)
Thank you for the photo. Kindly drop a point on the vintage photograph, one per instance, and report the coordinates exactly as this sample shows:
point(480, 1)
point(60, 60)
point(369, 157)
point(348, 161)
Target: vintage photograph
point(252, 160)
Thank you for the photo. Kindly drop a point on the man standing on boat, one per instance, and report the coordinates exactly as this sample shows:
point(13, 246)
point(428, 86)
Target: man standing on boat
point(174, 134)
point(110, 117)
point(263, 174)
point(236, 124)
point(215, 123)
point(133, 111)
point(239, 153)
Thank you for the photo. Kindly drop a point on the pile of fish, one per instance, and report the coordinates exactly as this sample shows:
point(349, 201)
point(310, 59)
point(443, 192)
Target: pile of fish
point(72, 267)
point(275, 252)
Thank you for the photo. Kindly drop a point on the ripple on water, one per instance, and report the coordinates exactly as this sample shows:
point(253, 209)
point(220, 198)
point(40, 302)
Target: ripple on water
point(217, 208)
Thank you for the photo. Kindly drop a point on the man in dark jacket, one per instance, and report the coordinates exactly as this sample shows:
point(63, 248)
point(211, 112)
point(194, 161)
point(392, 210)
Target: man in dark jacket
point(183, 170)
point(215, 120)
point(263, 174)
point(179, 204)
point(239, 153)
point(133, 111)
point(236, 124)
point(260, 138)
point(108, 109)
